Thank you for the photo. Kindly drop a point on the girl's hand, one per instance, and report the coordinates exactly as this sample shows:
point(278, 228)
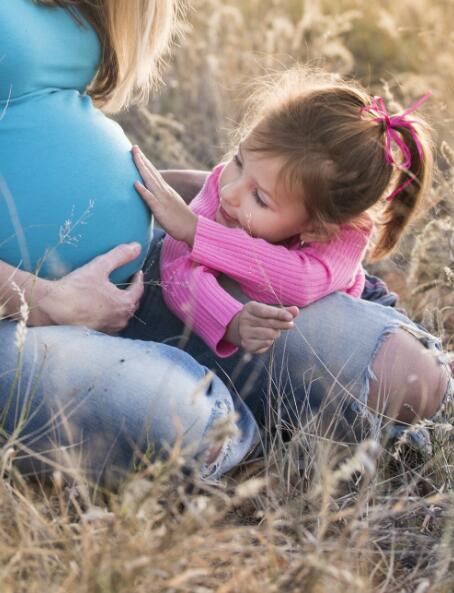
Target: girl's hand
point(186, 182)
point(257, 326)
point(87, 297)
point(169, 208)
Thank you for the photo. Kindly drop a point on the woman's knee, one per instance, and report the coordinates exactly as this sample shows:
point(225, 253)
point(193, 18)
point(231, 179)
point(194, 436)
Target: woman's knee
point(114, 392)
point(410, 382)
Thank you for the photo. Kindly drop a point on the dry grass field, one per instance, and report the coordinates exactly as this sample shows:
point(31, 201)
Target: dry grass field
point(313, 516)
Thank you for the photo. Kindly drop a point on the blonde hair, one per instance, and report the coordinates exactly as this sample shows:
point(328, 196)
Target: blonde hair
point(135, 35)
point(335, 157)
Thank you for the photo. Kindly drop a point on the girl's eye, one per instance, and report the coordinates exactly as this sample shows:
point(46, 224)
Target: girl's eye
point(237, 161)
point(259, 200)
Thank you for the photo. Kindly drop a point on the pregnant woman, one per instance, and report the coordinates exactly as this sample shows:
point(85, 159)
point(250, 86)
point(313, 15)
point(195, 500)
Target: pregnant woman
point(67, 196)
point(70, 220)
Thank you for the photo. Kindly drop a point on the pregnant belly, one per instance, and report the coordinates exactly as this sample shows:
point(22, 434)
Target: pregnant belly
point(66, 186)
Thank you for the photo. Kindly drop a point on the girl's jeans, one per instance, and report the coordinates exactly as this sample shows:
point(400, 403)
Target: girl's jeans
point(317, 373)
point(78, 400)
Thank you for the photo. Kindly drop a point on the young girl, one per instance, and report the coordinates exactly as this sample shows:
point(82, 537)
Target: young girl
point(289, 216)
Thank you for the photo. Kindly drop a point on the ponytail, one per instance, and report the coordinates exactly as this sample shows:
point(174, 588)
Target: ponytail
point(409, 187)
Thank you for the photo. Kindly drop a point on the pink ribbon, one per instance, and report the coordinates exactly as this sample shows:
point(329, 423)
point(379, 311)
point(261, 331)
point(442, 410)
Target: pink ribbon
point(379, 110)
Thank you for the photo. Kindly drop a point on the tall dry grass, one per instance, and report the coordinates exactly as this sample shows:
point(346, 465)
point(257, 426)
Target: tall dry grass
point(312, 516)
point(360, 521)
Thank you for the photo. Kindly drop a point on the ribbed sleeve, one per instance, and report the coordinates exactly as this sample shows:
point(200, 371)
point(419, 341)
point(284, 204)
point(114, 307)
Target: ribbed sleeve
point(274, 274)
point(191, 291)
point(195, 295)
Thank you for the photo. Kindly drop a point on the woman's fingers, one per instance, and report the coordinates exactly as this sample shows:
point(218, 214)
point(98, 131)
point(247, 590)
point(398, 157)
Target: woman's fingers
point(127, 301)
point(116, 257)
point(136, 288)
point(91, 299)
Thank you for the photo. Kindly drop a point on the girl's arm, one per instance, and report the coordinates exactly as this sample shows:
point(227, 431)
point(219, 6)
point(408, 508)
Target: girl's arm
point(194, 295)
point(84, 297)
point(266, 272)
point(275, 274)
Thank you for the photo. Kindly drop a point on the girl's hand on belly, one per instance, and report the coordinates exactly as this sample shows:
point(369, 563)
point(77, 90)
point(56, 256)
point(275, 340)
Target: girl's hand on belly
point(169, 208)
point(87, 297)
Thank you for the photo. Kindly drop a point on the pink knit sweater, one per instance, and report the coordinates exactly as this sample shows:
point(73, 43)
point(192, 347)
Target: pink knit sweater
point(286, 273)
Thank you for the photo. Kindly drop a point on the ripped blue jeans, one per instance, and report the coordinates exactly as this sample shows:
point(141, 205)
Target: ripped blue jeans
point(317, 373)
point(98, 406)
point(75, 399)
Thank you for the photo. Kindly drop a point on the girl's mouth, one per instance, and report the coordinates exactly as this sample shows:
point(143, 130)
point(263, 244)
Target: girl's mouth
point(228, 219)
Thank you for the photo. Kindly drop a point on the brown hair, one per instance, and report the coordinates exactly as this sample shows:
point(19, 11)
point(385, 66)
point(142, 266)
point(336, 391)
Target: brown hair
point(335, 154)
point(134, 35)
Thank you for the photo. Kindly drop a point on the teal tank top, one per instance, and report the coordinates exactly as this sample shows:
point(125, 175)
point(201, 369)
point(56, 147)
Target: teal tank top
point(66, 171)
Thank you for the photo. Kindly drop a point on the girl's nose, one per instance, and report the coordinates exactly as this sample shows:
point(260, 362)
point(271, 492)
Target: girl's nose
point(230, 193)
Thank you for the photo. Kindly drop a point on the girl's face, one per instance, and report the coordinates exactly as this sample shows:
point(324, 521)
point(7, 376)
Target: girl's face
point(250, 198)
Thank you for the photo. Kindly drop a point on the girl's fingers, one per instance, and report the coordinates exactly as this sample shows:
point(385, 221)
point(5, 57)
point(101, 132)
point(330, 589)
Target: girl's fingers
point(275, 324)
point(258, 346)
point(263, 350)
point(146, 194)
point(139, 160)
point(147, 167)
point(269, 311)
point(150, 180)
point(262, 334)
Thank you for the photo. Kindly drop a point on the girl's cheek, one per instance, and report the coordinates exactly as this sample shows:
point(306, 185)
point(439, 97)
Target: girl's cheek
point(227, 173)
point(223, 177)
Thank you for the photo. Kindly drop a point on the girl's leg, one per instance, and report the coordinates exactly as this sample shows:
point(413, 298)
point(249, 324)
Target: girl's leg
point(410, 383)
point(344, 358)
point(347, 357)
point(88, 401)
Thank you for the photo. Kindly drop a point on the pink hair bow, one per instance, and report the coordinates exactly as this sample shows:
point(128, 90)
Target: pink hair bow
point(378, 109)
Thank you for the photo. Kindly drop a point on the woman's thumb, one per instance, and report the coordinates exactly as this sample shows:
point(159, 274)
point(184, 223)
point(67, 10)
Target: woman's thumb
point(119, 256)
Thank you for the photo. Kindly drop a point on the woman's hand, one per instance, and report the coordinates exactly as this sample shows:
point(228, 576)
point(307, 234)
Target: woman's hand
point(87, 297)
point(257, 326)
point(169, 208)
